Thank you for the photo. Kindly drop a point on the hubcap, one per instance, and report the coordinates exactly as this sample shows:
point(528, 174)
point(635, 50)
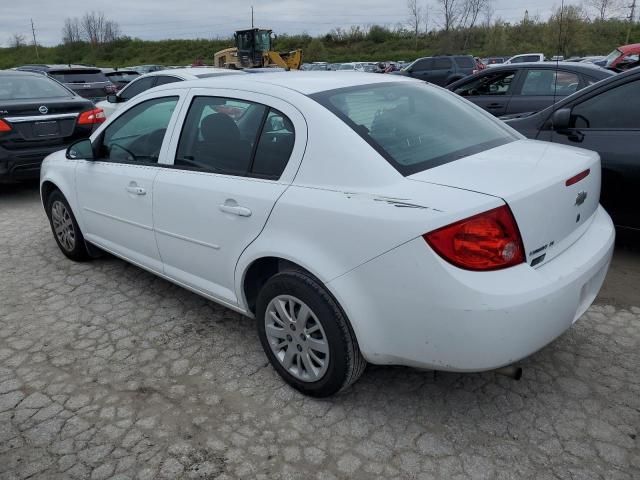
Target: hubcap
point(63, 225)
point(297, 338)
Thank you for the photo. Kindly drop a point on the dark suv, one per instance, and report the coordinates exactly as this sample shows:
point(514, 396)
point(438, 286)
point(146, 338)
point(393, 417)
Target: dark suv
point(441, 70)
point(87, 82)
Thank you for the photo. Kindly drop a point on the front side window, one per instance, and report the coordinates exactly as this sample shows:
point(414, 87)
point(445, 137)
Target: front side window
point(465, 62)
point(415, 126)
point(424, 64)
point(165, 79)
point(498, 83)
point(616, 109)
point(549, 82)
point(19, 87)
point(137, 135)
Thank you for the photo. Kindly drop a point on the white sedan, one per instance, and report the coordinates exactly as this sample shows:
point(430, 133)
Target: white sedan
point(156, 79)
point(358, 218)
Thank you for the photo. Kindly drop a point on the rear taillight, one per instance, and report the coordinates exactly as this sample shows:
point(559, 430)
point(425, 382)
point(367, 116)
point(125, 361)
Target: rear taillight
point(488, 241)
point(576, 178)
point(92, 117)
point(4, 126)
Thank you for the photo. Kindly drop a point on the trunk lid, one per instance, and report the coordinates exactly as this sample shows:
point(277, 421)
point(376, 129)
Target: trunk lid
point(531, 177)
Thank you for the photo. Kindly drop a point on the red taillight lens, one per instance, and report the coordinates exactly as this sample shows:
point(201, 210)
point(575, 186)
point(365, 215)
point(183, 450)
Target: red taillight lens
point(4, 126)
point(92, 117)
point(575, 179)
point(488, 241)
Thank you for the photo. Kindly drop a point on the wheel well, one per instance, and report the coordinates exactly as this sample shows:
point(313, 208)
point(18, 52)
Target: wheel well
point(47, 189)
point(260, 271)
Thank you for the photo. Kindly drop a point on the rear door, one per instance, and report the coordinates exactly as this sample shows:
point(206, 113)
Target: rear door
point(540, 88)
point(609, 123)
point(115, 191)
point(491, 90)
point(234, 156)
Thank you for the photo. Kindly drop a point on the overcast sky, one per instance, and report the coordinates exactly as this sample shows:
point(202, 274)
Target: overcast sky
point(157, 19)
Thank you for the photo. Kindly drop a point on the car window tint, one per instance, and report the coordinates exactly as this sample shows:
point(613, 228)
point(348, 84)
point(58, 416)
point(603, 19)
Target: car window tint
point(415, 126)
point(137, 135)
point(219, 135)
point(549, 82)
point(465, 62)
point(136, 87)
point(618, 108)
point(498, 83)
point(275, 146)
point(424, 64)
point(19, 87)
point(164, 79)
point(441, 63)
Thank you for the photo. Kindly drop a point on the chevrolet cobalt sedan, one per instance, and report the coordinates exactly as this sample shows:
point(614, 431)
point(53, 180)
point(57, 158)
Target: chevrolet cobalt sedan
point(358, 218)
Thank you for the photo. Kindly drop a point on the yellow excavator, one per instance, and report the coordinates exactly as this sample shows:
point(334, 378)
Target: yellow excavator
point(254, 50)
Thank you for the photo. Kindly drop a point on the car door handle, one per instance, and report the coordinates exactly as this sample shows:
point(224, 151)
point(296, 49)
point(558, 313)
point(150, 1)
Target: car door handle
point(136, 190)
point(235, 210)
point(495, 105)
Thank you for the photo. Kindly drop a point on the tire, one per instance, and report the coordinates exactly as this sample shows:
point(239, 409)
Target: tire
point(310, 371)
point(65, 228)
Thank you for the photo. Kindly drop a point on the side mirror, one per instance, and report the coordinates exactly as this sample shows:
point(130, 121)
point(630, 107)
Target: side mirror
point(113, 98)
point(561, 119)
point(80, 150)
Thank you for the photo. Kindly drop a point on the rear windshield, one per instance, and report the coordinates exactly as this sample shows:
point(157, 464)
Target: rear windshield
point(413, 125)
point(122, 76)
point(17, 87)
point(79, 76)
point(465, 62)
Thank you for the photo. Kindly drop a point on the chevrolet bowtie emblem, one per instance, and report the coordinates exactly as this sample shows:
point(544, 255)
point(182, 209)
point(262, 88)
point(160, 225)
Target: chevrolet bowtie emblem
point(582, 196)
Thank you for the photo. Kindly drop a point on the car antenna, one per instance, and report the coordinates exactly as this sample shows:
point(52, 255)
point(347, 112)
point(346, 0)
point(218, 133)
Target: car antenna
point(555, 81)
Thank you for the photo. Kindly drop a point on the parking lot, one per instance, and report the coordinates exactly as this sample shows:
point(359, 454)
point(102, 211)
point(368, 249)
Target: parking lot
point(109, 372)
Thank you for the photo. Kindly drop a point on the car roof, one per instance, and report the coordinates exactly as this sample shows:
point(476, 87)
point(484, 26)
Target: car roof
point(306, 83)
point(20, 73)
point(633, 48)
point(587, 67)
point(192, 73)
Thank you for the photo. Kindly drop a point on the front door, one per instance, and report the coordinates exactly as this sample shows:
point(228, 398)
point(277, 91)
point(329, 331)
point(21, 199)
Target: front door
point(609, 123)
point(490, 90)
point(233, 159)
point(115, 191)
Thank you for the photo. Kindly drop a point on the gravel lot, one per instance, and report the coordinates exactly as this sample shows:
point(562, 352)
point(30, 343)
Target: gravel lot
point(109, 372)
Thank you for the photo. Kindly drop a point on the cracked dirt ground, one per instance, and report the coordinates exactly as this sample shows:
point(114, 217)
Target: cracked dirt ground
point(109, 372)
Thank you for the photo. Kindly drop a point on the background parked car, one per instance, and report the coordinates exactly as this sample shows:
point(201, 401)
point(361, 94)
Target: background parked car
point(142, 69)
point(526, 58)
point(605, 118)
point(88, 82)
point(526, 87)
point(161, 77)
point(37, 117)
point(622, 58)
point(351, 67)
point(120, 78)
point(441, 70)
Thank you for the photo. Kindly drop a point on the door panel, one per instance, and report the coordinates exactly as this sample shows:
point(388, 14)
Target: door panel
point(210, 206)
point(491, 90)
point(115, 191)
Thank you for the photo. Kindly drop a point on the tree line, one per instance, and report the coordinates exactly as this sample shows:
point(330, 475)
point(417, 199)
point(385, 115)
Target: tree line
point(446, 27)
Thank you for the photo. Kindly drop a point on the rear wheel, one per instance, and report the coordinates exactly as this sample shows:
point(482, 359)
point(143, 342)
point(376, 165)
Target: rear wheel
point(65, 228)
point(306, 336)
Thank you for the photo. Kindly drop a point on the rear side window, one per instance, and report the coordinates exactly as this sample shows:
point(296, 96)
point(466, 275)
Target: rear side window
point(465, 62)
point(235, 137)
point(79, 76)
point(17, 87)
point(549, 82)
point(164, 79)
point(415, 126)
point(137, 87)
point(441, 63)
point(495, 83)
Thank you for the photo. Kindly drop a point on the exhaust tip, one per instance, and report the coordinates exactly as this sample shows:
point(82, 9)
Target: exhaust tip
point(510, 371)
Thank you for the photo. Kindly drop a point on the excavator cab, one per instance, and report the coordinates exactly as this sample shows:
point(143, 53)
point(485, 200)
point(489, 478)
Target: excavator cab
point(252, 46)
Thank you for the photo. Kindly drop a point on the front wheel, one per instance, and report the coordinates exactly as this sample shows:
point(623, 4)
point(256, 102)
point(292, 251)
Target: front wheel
point(65, 228)
point(306, 336)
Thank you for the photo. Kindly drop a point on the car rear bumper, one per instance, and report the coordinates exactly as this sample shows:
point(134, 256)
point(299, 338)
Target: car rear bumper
point(410, 307)
point(23, 164)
